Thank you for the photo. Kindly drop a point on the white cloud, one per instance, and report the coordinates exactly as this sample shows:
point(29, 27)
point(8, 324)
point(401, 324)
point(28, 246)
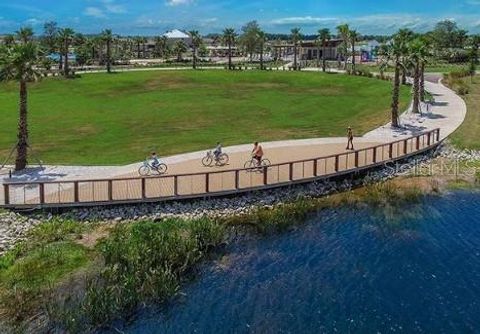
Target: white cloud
point(178, 2)
point(302, 20)
point(94, 12)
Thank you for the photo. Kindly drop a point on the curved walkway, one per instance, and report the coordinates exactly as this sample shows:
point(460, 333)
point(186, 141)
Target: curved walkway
point(447, 113)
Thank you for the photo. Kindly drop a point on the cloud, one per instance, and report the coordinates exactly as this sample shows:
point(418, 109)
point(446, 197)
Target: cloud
point(178, 2)
point(94, 12)
point(302, 20)
point(114, 8)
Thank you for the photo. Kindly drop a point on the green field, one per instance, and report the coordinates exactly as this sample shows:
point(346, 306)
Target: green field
point(119, 118)
point(466, 136)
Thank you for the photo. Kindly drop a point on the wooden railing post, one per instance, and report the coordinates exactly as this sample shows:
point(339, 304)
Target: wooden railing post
point(374, 155)
point(76, 196)
point(175, 185)
point(237, 179)
point(390, 151)
point(6, 193)
point(41, 188)
point(290, 171)
point(418, 143)
point(429, 138)
point(144, 188)
point(337, 162)
point(110, 190)
point(356, 159)
point(405, 144)
point(315, 168)
point(265, 175)
point(438, 135)
point(207, 182)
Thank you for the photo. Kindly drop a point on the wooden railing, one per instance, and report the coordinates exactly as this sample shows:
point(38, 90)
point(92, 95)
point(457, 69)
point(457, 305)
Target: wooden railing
point(197, 185)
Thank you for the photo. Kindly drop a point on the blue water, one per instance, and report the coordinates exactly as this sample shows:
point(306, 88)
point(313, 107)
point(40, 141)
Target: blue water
point(416, 270)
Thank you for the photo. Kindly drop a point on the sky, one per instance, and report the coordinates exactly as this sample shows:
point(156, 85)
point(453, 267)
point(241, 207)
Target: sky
point(154, 17)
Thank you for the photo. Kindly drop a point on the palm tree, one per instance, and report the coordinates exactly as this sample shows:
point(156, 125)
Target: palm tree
point(160, 46)
point(394, 53)
point(179, 49)
point(324, 36)
point(66, 38)
point(344, 33)
point(229, 37)
point(353, 39)
point(262, 38)
point(296, 37)
point(19, 63)
point(138, 40)
point(417, 53)
point(8, 40)
point(196, 43)
point(25, 34)
point(107, 37)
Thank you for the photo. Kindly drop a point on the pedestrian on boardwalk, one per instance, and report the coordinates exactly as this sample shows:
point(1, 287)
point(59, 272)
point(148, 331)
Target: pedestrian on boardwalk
point(350, 139)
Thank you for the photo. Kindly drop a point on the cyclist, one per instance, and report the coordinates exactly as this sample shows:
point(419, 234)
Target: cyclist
point(154, 160)
point(257, 153)
point(218, 150)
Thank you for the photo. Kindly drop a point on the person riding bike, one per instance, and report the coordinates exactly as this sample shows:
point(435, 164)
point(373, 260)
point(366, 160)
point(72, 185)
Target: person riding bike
point(154, 160)
point(257, 153)
point(217, 151)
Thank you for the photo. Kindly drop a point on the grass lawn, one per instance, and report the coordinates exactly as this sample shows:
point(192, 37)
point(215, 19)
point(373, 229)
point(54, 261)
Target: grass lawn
point(120, 118)
point(467, 135)
point(430, 68)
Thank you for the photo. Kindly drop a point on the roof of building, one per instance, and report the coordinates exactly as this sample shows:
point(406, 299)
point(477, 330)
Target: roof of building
point(175, 33)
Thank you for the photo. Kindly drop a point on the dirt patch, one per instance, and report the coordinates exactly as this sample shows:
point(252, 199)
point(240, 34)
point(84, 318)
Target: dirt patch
point(91, 238)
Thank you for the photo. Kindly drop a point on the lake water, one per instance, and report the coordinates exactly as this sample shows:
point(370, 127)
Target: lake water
point(414, 270)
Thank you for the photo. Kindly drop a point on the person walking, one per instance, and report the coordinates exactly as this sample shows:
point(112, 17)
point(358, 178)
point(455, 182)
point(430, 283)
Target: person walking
point(350, 138)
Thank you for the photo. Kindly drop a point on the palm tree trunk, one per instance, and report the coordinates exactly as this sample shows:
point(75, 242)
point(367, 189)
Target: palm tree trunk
point(229, 56)
point(60, 63)
point(324, 61)
point(404, 76)
point(261, 57)
point(22, 145)
point(395, 96)
point(422, 82)
point(109, 67)
point(66, 69)
point(318, 57)
point(194, 62)
point(353, 57)
point(295, 57)
point(416, 89)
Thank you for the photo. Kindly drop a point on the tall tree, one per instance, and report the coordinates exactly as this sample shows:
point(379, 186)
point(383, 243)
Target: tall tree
point(161, 43)
point(107, 38)
point(353, 34)
point(261, 40)
point(474, 47)
point(447, 35)
point(179, 49)
point(25, 35)
point(8, 40)
point(324, 36)
point(50, 35)
point(19, 63)
point(343, 31)
point(138, 41)
point(296, 38)
point(229, 38)
point(416, 54)
point(394, 53)
point(196, 44)
point(249, 38)
point(66, 36)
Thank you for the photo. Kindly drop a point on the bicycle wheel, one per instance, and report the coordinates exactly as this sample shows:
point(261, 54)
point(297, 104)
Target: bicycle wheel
point(250, 164)
point(162, 169)
point(144, 170)
point(207, 161)
point(266, 163)
point(222, 159)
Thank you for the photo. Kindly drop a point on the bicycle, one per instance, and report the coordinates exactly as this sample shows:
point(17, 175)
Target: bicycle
point(221, 160)
point(253, 163)
point(148, 167)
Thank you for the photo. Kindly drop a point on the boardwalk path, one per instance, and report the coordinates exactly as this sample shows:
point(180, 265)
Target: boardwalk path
point(447, 113)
